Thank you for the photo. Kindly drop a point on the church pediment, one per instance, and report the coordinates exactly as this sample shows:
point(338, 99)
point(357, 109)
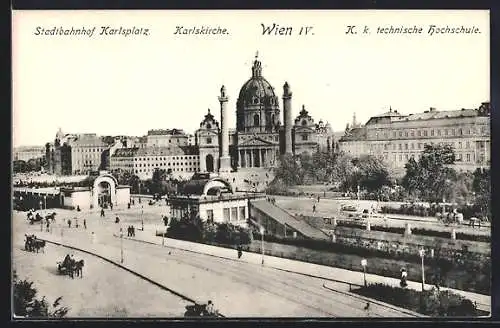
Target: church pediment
point(302, 129)
point(255, 142)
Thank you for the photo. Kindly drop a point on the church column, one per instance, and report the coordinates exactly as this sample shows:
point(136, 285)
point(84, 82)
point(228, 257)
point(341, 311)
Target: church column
point(249, 155)
point(261, 157)
point(225, 159)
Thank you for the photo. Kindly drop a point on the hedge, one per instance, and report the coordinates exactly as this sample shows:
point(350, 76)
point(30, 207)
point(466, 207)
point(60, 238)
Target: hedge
point(433, 303)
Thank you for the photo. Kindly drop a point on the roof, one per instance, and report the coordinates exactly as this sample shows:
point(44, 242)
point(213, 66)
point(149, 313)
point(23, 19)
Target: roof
point(354, 134)
point(163, 132)
point(428, 115)
point(125, 152)
point(201, 185)
point(157, 151)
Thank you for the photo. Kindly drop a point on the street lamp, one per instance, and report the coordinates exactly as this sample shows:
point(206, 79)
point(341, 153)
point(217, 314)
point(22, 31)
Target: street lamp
point(142, 217)
point(121, 244)
point(262, 243)
point(45, 200)
point(363, 264)
point(422, 254)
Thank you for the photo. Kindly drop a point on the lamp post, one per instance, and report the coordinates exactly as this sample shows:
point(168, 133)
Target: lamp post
point(121, 244)
point(262, 243)
point(142, 217)
point(363, 264)
point(45, 201)
point(422, 254)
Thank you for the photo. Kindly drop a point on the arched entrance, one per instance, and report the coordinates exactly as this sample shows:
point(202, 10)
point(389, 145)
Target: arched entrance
point(209, 162)
point(104, 191)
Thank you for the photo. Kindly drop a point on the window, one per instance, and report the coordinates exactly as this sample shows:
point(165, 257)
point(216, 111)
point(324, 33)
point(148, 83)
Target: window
point(412, 146)
point(256, 120)
point(234, 214)
point(394, 134)
point(460, 144)
point(400, 133)
point(467, 144)
point(439, 132)
point(432, 133)
point(400, 158)
point(412, 133)
point(226, 214)
point(406, 134)
point(304, 122)
point(419, 133)
point(400, 146)
point(406, 146)
point(468, 157)
point(304, 137)
point(446, 132)
point(209, 141)
point(242, 213)
point(425, 133)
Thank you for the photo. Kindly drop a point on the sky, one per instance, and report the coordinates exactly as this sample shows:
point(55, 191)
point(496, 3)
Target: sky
point(126, 85)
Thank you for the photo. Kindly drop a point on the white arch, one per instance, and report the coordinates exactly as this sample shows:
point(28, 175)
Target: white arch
point(216, 183)
point(111, 180)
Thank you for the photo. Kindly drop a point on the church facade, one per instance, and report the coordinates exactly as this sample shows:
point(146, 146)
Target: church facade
point(259, 138)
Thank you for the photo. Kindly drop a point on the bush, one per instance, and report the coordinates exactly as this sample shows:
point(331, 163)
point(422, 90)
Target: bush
point(432, 302)
point(26, 304)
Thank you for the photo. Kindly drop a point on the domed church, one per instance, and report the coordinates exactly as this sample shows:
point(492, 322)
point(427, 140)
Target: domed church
point(259, 138)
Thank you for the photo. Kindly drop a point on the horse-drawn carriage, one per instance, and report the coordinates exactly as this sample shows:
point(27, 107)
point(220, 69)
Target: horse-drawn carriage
point(200, 310)
point(32, 244)
point(450, 217)
point(37, 217)
point(70, 267)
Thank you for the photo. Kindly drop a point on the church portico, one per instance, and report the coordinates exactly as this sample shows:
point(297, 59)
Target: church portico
point(257, 157)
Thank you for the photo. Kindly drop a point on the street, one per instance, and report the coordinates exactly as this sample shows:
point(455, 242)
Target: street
point(238, 289)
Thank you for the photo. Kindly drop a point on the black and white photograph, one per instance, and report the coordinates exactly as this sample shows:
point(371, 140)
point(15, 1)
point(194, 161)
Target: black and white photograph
point(232, 164)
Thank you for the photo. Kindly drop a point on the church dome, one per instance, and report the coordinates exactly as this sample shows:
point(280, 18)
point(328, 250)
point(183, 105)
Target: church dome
point(257, 90)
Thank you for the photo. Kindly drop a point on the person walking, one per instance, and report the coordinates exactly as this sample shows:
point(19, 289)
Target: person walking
point(85, 223)
point(69, 223)
point(314, 208)
point(102, 212)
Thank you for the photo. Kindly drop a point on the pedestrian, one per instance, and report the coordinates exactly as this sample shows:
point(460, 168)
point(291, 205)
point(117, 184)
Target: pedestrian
point(69, 223)
point(318, 199)
point(314, 208)
point(76, 222)
point(240, 251)
point(102, 212)
point(367, 309)
point(48, 225)
point(117, 220)
point(85, 223)
point(111, 206)
point(133, 231)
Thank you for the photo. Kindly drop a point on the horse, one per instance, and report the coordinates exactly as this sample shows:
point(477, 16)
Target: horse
point(78, 268)
point(39, 244)
point(51, 216)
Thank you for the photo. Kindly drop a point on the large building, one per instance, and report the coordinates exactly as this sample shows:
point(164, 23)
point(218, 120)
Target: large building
point(143, 161)
point(259, 138)
point(25, 153)
point(397, 138)
point(166, 138)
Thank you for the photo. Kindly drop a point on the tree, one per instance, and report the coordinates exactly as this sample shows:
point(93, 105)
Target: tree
point(26, 304)
point(289, 171)
point(431, 178)
point(481, 186)
point(344, 171)
point(373, 173)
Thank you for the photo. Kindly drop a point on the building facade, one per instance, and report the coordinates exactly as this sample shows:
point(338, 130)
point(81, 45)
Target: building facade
point(396, 137)
point(144, 161)
point(259, 138)
point(166, 138)
point(86, 153)
point(25, 153)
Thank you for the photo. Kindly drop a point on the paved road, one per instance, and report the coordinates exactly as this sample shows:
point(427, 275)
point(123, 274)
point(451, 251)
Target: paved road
point(238, 289)
point(104, 291)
